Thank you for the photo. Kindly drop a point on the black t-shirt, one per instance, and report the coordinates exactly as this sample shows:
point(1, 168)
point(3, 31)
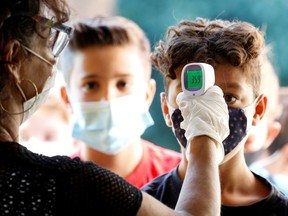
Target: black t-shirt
point(32, 184)
point(167, 187)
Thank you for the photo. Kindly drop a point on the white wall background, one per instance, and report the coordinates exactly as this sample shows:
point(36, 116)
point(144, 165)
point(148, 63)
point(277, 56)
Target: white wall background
point(88, 8)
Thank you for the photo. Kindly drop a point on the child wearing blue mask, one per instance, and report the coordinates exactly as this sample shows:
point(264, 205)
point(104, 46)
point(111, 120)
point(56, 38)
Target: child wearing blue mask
point(261, 136)
point(274, 166)
point(235, 50)
point(107, 69)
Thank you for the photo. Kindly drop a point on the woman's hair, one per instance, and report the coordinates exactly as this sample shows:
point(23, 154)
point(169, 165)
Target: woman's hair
point(16, 18)
point(105, 31)
point(16, 23)
point(236, 43)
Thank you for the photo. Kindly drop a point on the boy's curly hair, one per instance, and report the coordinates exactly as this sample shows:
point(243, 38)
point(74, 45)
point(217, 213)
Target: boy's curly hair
point(237, 43)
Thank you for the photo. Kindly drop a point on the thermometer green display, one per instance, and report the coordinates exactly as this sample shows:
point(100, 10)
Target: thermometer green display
point(197, 78)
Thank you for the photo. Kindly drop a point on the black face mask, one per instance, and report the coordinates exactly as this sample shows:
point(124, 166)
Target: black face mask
point(237, 126)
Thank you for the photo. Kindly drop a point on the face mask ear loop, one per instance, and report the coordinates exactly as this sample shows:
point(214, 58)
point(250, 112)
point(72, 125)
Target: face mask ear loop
point(37, 55)
point(250, 105)
point(247, 107)
point(24, 97)
point(170, 107)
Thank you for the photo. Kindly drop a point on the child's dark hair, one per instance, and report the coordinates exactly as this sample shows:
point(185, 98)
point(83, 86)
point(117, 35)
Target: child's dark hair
point(105, 31)
point(239, 44)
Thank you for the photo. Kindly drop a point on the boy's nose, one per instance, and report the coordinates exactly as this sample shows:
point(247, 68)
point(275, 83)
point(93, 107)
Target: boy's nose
point(110, 94)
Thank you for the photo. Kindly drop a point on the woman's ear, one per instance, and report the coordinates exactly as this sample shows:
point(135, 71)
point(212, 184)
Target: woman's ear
point(260, 109)
point(13, 56)
point(165, 109)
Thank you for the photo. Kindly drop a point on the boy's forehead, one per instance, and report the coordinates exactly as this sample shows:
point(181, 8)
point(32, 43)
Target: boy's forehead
point(78, 60)
point(86, 63)
point(226, 77)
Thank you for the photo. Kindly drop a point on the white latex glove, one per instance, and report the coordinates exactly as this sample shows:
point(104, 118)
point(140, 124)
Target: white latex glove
point(205, 115)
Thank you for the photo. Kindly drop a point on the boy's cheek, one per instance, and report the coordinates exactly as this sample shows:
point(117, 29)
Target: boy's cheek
point(172, 101)
point(172, 95)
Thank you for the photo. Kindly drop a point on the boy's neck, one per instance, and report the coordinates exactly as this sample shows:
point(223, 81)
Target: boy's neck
point(239, 186)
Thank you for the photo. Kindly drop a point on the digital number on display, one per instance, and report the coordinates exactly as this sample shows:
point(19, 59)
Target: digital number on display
point(194, 79)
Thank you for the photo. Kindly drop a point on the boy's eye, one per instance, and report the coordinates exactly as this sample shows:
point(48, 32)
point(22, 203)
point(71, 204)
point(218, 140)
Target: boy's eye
point(90, 86)
point(230, 99)
point(124, 84)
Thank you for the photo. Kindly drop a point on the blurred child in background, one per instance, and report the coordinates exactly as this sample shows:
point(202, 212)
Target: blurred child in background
point(48, 131)
point(107, 70)
point(274, 166)
point(262, 135)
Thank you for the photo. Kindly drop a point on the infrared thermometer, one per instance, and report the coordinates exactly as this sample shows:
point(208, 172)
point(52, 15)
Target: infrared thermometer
point(196, 78)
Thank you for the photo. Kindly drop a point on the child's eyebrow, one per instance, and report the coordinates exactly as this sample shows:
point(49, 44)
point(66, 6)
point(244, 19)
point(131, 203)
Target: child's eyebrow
point(125, 75)
point(88, 76)
point(233, 85)
point(92, 75)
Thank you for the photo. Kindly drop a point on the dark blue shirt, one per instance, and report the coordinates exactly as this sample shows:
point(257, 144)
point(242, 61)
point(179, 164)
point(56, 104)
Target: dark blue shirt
point(166, 188)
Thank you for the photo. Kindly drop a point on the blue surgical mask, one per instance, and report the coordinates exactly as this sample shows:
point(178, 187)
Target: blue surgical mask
point(237, 126)
point(280, 181)
point(109, 126)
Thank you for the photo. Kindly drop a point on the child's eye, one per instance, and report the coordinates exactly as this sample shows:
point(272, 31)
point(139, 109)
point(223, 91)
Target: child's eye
point(90, 86)
point(124, 85)
point(230, 99)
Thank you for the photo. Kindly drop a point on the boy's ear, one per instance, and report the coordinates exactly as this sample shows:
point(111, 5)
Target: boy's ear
point(64, 96)
point(260, 109)
point(165, 110)
point(12, 57)
point(150, 92)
